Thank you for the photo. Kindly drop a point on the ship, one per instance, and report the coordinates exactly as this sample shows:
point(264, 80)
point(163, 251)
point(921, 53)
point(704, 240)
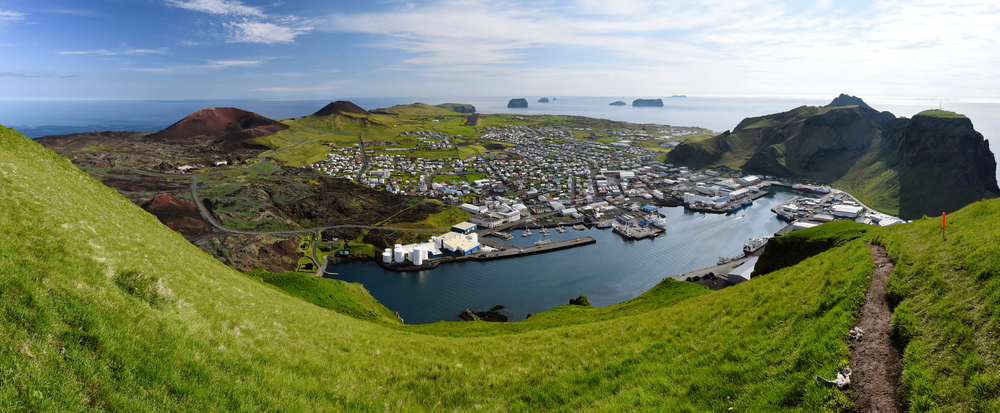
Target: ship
point(733, 207)
point(545, 231)
point(543, 242)
point(754, 245)
point(821, 190)
point(660, 222)
point(526, 233)
point(604, 224)
point(580, 227)
point(786, 218)
point(747, 201)
point(562, 230)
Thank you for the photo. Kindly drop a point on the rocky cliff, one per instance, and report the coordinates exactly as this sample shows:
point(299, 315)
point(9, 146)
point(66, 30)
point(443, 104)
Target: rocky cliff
point(933, 163)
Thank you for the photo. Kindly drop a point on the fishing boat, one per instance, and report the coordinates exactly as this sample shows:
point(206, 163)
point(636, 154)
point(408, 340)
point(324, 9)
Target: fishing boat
point(580, 227)
point(543, 242)
point(545, 231)
point(747, 201)
point(660, 222)
point(733, 207)
point(754, 245)
point(604, 224)
point(526, 233)
point(562, 230)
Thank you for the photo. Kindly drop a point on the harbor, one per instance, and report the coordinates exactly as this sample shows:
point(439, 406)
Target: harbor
point(609, 270)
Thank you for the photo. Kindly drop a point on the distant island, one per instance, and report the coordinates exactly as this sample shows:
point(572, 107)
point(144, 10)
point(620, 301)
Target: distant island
point(543, 100)
point(518, 103)
point(618, 103)
point(678, 96)
point(648, 102)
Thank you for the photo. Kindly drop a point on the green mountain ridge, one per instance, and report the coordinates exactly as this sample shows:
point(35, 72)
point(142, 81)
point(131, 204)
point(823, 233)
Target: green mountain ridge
point(104, 308)
point(906, 167)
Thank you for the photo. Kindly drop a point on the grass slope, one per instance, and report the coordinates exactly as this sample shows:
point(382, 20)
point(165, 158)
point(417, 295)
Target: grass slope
point(103, 308)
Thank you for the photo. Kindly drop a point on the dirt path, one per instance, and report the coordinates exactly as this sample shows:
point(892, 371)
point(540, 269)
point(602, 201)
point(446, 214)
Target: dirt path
point(876, 364)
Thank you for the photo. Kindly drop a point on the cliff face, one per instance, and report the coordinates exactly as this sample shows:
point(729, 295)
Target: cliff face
point(517, 103)
point(923, 166)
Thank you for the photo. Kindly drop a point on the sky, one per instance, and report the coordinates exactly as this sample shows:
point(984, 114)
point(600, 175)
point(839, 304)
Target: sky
point(291, 49)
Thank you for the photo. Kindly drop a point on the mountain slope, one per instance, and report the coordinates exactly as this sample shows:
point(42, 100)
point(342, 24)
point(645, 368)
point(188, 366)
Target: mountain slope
point(102, 307)
point(229, 128)
point(896, 165)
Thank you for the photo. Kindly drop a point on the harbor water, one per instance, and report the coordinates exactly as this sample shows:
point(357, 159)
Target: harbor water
point(611, 271)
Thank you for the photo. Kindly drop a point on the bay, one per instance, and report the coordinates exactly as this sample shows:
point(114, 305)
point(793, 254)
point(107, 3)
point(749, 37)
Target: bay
point(608, 272)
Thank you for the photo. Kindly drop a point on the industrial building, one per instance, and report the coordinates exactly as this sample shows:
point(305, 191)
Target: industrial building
point(742, 273)
point(463, 227)
point(458, 244)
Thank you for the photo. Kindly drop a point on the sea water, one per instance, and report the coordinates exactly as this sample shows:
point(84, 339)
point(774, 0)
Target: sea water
point(608, 272)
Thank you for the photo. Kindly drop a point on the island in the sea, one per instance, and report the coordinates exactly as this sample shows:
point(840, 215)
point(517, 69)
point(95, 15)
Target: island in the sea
point(543, 100)
point(678, 96)
point(518, 103)
point(648, 102)
point(618, 103)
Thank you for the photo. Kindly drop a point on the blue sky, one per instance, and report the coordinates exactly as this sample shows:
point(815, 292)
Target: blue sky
point(213, 49)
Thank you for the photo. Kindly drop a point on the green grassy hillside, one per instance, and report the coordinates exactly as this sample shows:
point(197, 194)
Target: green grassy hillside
point(103, 308)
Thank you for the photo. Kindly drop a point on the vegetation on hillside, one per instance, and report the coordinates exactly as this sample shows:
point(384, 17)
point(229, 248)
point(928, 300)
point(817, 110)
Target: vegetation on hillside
point(896, 165)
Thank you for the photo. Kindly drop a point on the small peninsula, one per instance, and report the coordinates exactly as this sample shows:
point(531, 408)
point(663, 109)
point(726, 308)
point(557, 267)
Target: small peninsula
point(458, 107)
point(518, 103)
point(648, 102)
point(618, 103)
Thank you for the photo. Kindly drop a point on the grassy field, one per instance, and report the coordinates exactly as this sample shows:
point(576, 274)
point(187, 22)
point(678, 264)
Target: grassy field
point(104, 308)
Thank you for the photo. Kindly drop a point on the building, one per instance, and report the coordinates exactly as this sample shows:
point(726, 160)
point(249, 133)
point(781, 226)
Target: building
point(485, 220)
point(472, 209)
point(459, 244)
point(742, 273)
point(846, 211)
point(463, 228)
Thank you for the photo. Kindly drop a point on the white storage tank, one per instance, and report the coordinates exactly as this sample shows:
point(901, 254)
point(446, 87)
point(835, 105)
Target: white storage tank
point(400, 255)
point(417, 255)
point(437, 242)
point(387, 256)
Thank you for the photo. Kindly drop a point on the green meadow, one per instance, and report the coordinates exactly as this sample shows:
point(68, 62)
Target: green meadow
point(102, 308)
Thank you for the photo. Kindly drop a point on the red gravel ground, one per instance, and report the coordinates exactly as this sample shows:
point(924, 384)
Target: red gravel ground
point(876, 364)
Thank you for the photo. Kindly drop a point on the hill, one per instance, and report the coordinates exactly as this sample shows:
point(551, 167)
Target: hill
point(458, 107)
point(104, 308)
point(897, 165)
point(412, 109)
point(228, 128)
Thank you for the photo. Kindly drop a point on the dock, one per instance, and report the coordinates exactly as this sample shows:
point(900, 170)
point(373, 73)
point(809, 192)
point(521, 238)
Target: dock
point(504, 250)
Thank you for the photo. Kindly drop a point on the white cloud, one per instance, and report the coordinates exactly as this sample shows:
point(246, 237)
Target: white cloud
point(11, 16)
point(105, 52)
point(712, 46)
point(209, 64)
point(266, 33)
point(220, 64)
point(220, 7)
point(248, 24)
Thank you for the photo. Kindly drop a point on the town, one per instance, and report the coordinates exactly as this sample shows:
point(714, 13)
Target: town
point(562, 178)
